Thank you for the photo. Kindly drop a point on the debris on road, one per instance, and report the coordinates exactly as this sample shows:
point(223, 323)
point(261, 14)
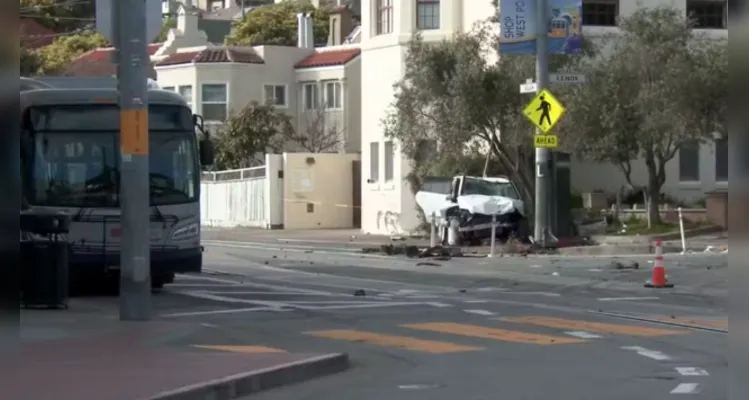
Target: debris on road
point(622, 265)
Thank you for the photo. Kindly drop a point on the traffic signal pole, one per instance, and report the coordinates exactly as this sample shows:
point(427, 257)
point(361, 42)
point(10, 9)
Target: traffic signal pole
point(132, 74)
point(543, 155)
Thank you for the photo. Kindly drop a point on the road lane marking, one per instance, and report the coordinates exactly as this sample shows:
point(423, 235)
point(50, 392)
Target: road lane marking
point(242, 349)
point(256, 293)
point(583, 335)
point(439, 305)
point(698, 322)
point(240, 283)
point(491, 333)
point(476, 301)
point(652, 354)
point(547, 294)
point(222, 311)
point(480, 312)
point(597, 327)
point(627, 298)
point(686, 388)
point(402, 342)
point(691, 371)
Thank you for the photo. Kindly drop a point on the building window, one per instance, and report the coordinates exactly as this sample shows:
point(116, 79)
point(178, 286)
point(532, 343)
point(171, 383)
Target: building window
point(311, 96)
point(384, 13)
point(721, 160)
point(275, 95)
point(427, 14)
point(689, 162)
point(707, 14)
point(333, 95)
point(389, 161)
point(186, 93)
point(216, 5)
point(374, 162)
point(214, 102)
point(600, 12)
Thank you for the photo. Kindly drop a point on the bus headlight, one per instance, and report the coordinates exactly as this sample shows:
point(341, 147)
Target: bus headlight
point(186, 232)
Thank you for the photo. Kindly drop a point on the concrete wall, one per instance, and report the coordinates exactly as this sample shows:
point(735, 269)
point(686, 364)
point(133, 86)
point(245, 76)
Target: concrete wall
point(587, 177)
point(291, 191)
point(318, 191)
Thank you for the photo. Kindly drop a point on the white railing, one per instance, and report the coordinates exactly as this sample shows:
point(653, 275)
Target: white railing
point(233, 174)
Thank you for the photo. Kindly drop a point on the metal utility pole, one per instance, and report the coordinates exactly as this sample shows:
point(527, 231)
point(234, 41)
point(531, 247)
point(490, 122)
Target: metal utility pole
point(543, 155)
point(132, 74)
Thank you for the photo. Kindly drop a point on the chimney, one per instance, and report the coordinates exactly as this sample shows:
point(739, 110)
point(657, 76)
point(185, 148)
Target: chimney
point(310, 33)
point(341, 25)
point(187, 20)
point(301, 31)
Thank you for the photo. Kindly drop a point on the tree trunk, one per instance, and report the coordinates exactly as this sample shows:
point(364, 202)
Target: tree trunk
point(653, 192)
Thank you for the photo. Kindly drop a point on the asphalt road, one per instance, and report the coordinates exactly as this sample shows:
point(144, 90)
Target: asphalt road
point(424, 334)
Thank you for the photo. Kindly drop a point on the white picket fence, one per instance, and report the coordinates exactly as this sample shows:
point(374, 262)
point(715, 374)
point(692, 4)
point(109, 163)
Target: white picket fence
point(234, 198)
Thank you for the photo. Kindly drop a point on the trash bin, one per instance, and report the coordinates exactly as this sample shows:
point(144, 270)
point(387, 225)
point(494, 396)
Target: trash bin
point(44, 259)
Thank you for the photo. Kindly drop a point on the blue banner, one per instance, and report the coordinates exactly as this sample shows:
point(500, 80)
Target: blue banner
point(517, 21)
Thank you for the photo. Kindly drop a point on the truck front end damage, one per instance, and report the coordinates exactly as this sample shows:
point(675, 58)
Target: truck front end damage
point(474, 202)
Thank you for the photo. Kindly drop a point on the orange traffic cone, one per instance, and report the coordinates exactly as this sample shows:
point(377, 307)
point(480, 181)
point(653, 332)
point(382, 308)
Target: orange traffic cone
point(658, 279)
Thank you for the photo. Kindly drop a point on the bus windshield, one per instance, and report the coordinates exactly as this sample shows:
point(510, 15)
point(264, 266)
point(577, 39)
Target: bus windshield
point(76, 166)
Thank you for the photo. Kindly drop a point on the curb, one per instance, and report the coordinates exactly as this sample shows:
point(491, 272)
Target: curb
point(245, 384)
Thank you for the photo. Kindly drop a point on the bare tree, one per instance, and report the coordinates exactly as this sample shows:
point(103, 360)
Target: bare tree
point(320, 131)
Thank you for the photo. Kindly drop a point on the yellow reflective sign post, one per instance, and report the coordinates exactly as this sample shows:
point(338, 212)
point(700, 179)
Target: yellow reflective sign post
point(546, 141)
point(544, 111)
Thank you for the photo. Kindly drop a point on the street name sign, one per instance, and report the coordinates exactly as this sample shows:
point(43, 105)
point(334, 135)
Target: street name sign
point(567, 78)
point(528, 87)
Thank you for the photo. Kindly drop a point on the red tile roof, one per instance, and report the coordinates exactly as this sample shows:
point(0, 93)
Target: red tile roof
point(214, 55)
point(33, 35)
point(328, 58)
point(98, 63)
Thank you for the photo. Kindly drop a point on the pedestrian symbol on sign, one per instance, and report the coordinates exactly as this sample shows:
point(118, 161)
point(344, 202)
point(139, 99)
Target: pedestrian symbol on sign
point(544, 111)
point(545, 108)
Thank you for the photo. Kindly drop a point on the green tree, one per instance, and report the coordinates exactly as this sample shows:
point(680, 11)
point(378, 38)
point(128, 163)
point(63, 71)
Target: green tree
point(452, 96)
point(62, 16)
point(65, 48)
point(276, 24)
point(30, 62)
point(659, 88)
point(250, 133)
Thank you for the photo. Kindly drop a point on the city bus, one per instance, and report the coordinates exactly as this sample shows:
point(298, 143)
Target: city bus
point(70, 162)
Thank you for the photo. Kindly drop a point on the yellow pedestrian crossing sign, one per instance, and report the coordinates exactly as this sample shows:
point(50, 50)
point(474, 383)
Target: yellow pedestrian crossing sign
point(544, 111)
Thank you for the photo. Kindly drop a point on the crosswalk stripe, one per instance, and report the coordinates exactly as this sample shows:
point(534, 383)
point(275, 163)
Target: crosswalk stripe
point(241, 349)
point(492, 333)
point(403, 342)
point(597, 327)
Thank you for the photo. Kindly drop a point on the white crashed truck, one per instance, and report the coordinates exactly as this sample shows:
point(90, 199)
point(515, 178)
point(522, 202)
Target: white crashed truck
point(472, 201)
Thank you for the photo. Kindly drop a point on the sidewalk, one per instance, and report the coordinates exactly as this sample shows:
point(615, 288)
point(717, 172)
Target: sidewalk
point(354, 240)
point(68, 355)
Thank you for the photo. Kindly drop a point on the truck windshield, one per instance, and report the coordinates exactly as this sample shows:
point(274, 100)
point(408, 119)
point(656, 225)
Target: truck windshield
point(81, 168)
point(489, 188)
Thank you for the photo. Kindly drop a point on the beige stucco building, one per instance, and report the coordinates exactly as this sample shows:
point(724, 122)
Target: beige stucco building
point(387, 26)
point(319, 88)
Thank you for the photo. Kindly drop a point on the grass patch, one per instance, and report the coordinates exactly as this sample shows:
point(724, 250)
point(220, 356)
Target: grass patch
point(635, 226)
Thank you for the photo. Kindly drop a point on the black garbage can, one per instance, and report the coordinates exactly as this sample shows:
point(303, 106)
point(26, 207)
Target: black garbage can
point(44, 259)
